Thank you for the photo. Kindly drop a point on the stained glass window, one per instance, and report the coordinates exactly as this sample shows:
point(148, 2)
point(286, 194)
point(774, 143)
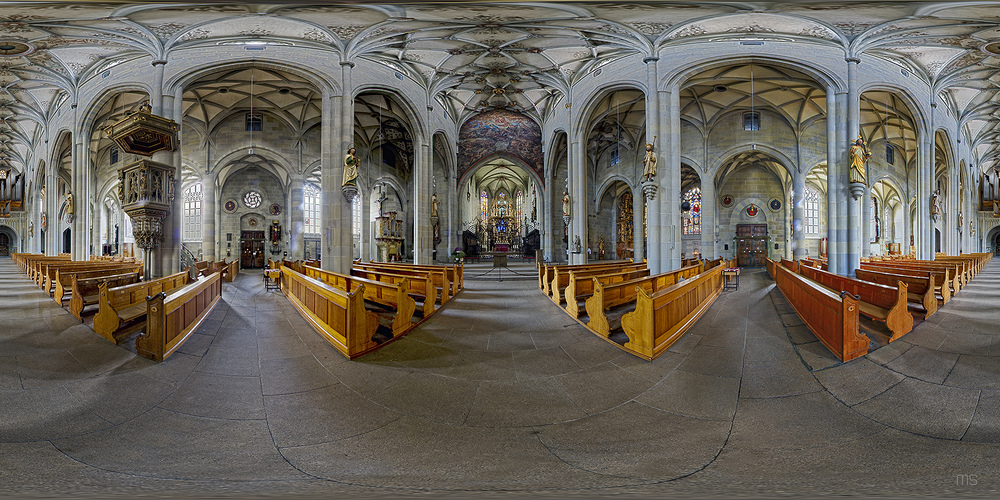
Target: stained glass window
point(519, 209)
point(193, 197)
point(356, 216)
point(310, 208)
point(252, 199)
point(484, 205)
point(692, 216)
point(811, 211)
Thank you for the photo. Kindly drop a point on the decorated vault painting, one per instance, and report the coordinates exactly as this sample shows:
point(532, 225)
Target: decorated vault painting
point(501, 132)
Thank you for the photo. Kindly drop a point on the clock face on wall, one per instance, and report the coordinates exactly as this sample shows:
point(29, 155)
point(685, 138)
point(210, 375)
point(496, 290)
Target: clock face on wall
point(229, 206)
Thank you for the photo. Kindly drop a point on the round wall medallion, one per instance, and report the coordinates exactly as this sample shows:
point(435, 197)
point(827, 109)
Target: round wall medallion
point(775, 204)
point(752, 210)
point(275, 209)
point(727, 201)
point(229, 206)
point(252, 222)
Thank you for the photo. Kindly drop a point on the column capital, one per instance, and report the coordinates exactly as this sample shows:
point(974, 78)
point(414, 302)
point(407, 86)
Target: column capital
point(158, 62)
point(349, 64)
point(853, 59)
point(649, 59)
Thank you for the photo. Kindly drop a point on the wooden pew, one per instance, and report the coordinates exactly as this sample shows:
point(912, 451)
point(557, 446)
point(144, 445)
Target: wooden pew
point(394, 295)
point(86, 291)
point(660, 319)
point(559, 275)
point(958, 271)
point(941, 276)
point(562, 277)
point(231, 270)
point(437, 275)
point(118, 306)
point(338, 316)
point(879, 302)
point(64, 277)
point(545, 271)
point(615, 294)
point(419, 287)
point(581, 286)
point(831, 317)
point(920, 290)
point(48, 273)
point(170, 320)
point(454, 273)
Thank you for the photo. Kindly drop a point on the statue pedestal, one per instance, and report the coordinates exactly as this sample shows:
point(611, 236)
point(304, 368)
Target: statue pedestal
point(857, 189)
point(350, 191)
point(649, 189)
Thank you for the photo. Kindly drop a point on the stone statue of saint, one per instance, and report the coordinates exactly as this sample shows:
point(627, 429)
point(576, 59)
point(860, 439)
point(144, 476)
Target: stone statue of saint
point(350, 169)
point(566, 203)
point(859, 154)
point(69, 203)
point(936, 202)
point(649, 163)
point(434, 205)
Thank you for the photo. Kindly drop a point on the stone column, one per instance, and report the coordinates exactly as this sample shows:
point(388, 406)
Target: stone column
point(708, 228)
point(577, 172)
point(670, 185)
point(798, 215)
point(954, 206)
point(421, 204)
point(836, 153)
point(654, 240)
point(167, 256)
point(296, 218)
point(335, 250)
point(545, 214)
point(80, 186)
point(638, 202)
point(53, 238)
point(208, 218)
point(923, 225)
point(854, 207)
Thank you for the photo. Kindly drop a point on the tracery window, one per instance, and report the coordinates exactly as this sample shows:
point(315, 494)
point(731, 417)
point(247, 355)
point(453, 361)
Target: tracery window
point(692, 216)
point(310, 208)
point(811, 211)
point(252, 199)
point(614, 157)
point(519, 208)
point(751, 120)
point(193, 198)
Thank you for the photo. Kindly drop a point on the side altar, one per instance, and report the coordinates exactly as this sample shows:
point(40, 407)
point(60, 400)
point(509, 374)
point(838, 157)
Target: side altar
point(388, 237)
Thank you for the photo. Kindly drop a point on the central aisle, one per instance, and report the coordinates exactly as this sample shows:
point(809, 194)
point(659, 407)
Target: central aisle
point(499, 390)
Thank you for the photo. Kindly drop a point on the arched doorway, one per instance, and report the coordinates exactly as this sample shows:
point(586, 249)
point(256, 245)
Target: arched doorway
point(996, 245)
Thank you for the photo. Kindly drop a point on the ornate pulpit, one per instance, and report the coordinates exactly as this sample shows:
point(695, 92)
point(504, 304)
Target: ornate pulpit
point(388, 236)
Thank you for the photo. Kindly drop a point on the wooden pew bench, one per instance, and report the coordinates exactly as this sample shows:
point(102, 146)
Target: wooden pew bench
point(612, 295)
point(919, 290)
point(420, 288)
point(546, 271)
point(942, 277)
point(394, 295)
point(125, 306)
point(562, 276)
point(660, 319)
point(49, 272)
point(338, 316)
point(64, 277)
point(887, 304)
point(437, 275)
point(86, 290)
point(832, 317)
point(171, 319)
point(581, 286)
point(453, 273)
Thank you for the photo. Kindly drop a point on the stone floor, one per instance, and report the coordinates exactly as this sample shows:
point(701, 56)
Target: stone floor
point(499, 394)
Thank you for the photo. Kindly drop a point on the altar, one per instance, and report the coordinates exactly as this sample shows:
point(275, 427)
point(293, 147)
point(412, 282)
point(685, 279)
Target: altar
point(388, 237)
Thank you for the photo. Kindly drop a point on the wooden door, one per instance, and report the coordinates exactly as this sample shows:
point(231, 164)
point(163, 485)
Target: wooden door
point(252, 254)
point(751, 245)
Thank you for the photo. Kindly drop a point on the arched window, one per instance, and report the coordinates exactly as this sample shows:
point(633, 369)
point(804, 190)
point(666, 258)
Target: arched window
point(876, 229)
point(310, 208)
point(356, 216)
point(193, 198)
point(519, 209)
point(484, 205)
point(811, 212)
point(692, 216)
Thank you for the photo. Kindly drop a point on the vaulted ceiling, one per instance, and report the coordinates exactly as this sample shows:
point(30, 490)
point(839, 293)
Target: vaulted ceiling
point(520, 56)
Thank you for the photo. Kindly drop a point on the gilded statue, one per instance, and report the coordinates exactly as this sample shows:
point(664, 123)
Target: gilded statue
point(434, 205)
point(649, 163)
point(859, 154)
point(350, 169)
point(69, 202)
